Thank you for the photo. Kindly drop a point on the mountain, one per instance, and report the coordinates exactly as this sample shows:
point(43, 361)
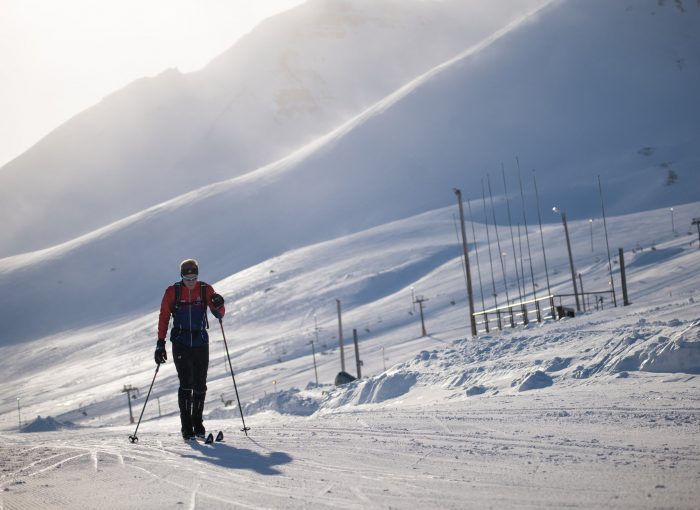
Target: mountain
point(292, 79)
point(577, 109)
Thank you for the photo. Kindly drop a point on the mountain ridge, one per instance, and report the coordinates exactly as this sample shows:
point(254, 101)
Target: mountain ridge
point(165, 135)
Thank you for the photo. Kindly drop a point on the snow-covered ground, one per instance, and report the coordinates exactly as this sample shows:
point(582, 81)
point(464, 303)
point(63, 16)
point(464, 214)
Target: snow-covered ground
point(599, 410)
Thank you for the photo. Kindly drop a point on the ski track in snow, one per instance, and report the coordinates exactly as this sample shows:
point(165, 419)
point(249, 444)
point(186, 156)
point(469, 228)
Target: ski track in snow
point(486, 452)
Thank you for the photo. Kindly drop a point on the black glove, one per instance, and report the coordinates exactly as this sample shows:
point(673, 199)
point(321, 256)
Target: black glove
point(160, 355)
point(217, 300)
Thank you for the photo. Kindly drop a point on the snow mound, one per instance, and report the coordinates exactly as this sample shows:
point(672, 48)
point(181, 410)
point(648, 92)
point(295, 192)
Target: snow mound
point(47, 424)
point(660, 353)
point(476, 390)
point(557, 364)
point(678, 355)
point(284, 402)
point(535, 381)
point(374, 390)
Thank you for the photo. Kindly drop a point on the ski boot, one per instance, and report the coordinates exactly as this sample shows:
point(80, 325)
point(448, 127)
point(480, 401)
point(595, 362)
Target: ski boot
point(184, 400)
point(197, 411)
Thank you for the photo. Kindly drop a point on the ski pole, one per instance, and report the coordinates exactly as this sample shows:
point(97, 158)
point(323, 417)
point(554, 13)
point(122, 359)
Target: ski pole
point(134, 438)
point(240, 409)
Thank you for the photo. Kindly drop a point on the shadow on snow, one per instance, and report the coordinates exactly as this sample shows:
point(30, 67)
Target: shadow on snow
point(227, 456)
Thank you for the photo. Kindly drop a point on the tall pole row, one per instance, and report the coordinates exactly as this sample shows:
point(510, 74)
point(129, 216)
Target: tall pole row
point(539, 217)
point(512, 238)
point(498, 240)
point(527, 237)
point(488, 243)
point(476, 254)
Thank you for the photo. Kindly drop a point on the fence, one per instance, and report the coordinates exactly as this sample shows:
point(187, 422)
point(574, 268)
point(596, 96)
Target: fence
point(598, 299)
point(516, 314)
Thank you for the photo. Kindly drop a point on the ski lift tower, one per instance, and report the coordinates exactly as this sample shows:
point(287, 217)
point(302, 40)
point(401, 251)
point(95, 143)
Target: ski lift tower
point(696, 222)
point(128, 389)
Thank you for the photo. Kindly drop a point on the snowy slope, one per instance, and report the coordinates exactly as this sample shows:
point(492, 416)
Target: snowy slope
point(275, 306)
point(293, 78)
point(428, 137)
point(598, 410)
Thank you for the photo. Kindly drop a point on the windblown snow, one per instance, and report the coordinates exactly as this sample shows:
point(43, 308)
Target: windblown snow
point(588, 404)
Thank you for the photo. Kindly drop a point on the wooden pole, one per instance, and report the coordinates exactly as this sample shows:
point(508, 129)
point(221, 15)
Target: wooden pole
point(470, 294)
point(623, 277)
point(340, 338)
point(357, 354)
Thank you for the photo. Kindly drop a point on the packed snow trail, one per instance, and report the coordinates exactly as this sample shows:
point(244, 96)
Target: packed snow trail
point(600, 443)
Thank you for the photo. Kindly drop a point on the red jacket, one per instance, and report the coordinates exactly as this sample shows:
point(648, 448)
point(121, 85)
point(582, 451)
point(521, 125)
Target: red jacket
point(189, 300)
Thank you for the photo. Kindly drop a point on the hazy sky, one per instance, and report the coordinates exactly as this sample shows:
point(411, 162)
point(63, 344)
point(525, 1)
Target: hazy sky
point(60, 57)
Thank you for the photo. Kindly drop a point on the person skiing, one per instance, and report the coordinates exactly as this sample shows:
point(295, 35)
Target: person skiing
point(187, 301)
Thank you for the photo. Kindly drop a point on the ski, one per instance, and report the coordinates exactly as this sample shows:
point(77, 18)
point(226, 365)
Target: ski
point(208, 439)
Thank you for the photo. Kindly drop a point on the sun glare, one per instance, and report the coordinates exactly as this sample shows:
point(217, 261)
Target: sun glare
point(61, 57)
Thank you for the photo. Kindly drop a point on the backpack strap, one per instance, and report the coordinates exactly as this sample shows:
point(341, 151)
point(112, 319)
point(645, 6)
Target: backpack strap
point(203, 297)
point(176, 305)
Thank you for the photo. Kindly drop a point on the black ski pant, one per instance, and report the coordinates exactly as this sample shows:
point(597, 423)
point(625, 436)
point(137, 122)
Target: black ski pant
point(191, 364)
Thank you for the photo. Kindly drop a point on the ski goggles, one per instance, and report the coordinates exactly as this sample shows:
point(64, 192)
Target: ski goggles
point(189, 274)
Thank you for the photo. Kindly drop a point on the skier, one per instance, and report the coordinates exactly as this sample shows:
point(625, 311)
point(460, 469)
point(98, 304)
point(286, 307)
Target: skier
point(187, 302)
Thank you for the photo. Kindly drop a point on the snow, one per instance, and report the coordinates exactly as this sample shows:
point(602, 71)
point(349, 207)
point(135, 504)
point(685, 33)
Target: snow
point(598, 410)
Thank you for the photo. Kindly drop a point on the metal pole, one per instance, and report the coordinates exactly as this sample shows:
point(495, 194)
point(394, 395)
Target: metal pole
point(461, 259)
point(19, 414)
point(240, 408)
point(476, 254)
point(340, 338)
point(527, 240)
point(590, 223)
point(583, 294)
point(607, 244)
point(472, 319)
point(420, 300)
point(488, 242)
point(571, 260)
point(313, 349)
point(134, 438)
point(128, 390)
point(358, 363)
point(498, 240)
point(313, 352)
point(544, 254)
point(512, 238)
point(673, 227)
point(522, 260)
